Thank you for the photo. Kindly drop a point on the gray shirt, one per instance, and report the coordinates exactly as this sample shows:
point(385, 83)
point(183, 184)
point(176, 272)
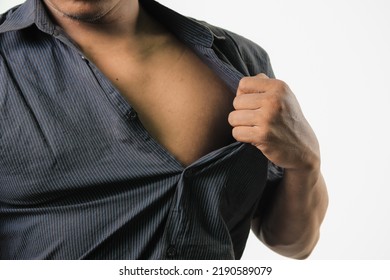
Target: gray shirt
point(108, 190)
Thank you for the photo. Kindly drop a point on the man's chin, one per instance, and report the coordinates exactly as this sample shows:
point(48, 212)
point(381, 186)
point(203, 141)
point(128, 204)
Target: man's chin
point(85, 11)
point(85, 17)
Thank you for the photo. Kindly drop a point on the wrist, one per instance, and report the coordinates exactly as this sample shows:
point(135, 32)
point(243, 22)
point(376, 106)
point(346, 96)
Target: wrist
point(308, 165)
point(302, 179)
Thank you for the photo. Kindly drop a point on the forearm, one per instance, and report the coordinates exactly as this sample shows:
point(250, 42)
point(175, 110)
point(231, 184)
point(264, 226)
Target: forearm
point(291, 226)
point(267, 115)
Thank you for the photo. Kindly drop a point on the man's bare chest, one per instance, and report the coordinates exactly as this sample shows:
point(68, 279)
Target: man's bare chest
point(179, 100)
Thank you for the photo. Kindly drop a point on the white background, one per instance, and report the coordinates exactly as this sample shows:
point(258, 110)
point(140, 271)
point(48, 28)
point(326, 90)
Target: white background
point(335, 55)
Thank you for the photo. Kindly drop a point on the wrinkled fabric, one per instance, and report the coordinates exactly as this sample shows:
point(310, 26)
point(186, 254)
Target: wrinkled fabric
point(81, 178)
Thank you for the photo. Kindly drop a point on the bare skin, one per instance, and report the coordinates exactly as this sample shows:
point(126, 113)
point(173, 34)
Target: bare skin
point(139, 57)
point(268, 115)
point(141, 63)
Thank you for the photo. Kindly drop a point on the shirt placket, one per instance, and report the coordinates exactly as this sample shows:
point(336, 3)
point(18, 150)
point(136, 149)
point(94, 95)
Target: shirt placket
point(177, 222)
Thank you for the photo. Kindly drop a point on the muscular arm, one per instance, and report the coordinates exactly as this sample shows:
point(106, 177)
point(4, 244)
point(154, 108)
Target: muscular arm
point(268, 116)
point(291, 226)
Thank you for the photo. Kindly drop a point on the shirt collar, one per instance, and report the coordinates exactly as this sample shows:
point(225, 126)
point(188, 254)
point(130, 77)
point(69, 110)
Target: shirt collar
point(29, 13)
point(189, 30)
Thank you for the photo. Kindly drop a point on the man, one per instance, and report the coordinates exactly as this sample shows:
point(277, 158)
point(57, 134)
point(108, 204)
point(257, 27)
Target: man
point(131, 132)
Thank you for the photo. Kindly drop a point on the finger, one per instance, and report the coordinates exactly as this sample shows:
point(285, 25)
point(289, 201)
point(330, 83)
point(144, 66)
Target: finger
point(262, 76)
point(250, 101)
point(247, 134)
point(244, 118)
point(257, 84)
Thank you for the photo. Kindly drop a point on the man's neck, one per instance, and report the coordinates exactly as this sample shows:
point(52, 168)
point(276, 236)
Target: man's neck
point(121, 26)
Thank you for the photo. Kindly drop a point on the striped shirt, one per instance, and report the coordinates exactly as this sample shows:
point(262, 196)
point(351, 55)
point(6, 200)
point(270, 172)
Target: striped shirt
point(81, 178)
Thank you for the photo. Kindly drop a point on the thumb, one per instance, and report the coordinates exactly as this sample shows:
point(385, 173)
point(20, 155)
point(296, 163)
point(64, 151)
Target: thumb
point(262, 76)
point(252, 84)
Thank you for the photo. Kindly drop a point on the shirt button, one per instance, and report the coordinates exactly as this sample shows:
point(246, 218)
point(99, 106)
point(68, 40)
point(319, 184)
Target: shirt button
point(171, 251)
point(133, 115)
point(56, 32)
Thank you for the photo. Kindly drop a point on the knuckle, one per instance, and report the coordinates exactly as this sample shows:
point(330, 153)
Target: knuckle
point(283, 90)
point(275, 103)
point(243, 84)
point(281, 86)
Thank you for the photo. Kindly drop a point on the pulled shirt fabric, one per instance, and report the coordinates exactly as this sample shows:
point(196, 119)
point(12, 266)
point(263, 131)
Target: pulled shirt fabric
point(81, 178)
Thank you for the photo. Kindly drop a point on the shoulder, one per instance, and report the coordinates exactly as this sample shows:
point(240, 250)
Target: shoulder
point(239, 49)
point(6, 18)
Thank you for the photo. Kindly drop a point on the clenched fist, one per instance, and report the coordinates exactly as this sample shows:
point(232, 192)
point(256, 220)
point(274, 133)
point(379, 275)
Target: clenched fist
point(268, 115)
